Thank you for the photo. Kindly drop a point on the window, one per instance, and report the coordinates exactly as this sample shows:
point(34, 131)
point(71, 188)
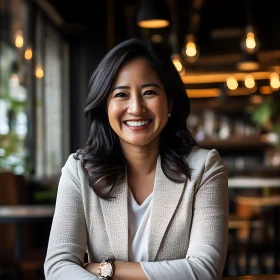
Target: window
point(34, 107)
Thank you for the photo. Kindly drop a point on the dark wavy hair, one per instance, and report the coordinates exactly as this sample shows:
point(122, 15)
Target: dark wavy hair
point(102, 157)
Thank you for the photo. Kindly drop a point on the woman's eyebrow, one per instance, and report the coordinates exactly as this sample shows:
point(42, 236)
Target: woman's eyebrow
point(150, 85)
point(142, 86)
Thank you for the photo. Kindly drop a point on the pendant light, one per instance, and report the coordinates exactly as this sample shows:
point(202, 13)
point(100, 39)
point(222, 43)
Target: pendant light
point(176, 56)
point(249, 81)
point(19, 41)
point(249, 45)
point(232, 83)
point(178, 63)
point(153, 14)
point(250, 42)
point(190, 49)
point(274, 81)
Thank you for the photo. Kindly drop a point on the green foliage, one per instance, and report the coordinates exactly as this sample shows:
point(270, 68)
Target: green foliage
point(267, 116)
point(46, 196)
point(265, 112)
point(13, 154)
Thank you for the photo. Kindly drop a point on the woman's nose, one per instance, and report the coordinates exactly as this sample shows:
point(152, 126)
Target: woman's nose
point(136, 106)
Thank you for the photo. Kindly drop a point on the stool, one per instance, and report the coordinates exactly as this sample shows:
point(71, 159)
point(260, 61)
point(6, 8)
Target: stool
point(267, 209)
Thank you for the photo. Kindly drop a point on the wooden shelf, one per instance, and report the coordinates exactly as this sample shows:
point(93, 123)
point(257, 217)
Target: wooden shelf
point(233, 143)
point(265, 172)
point(231, 105)
point(237, 104)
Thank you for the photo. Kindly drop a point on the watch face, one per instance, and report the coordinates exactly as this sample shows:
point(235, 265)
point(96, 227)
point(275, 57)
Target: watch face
point(105, 269)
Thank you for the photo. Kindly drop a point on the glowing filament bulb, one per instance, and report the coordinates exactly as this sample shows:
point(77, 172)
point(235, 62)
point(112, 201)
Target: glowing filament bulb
point(191, 49)
point(232, 83)
point(274, 80)
point(19, 39)
point(250, 41)
point(39, 72)
point(177, 61)
point(28, 54)
point(249, 81)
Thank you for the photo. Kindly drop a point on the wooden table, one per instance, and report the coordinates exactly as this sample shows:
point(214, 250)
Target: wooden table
point(254, 277)
point(22, 214)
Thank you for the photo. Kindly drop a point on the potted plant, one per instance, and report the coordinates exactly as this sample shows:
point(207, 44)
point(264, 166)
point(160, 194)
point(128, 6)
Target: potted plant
point(267, 116)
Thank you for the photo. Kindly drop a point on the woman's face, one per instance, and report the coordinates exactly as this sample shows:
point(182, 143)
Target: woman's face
point(137, 105)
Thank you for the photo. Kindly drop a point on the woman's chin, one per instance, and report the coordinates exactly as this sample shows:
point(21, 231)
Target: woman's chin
point(139, 142)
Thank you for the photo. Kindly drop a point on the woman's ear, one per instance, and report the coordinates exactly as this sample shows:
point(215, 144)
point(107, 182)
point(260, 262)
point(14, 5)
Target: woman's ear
point(170, 107)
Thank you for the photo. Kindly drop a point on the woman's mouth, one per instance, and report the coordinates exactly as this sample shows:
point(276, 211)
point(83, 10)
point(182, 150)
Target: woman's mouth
point(138, 124)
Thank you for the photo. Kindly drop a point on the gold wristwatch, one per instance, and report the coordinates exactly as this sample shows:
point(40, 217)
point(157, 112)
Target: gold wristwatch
point(106, 269)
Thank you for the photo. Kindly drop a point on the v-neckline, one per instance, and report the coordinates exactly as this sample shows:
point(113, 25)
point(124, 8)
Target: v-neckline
point(147, 199)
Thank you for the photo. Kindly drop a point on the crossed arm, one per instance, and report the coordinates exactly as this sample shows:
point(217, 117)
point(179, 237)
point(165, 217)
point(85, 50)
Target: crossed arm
point(123, 270)
point(68, 240)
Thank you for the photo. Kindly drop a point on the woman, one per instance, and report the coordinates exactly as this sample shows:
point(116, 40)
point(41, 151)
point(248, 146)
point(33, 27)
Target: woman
point(141, 195)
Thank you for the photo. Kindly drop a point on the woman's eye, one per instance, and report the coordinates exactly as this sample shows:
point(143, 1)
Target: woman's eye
point(149, 92)
point(120, 94)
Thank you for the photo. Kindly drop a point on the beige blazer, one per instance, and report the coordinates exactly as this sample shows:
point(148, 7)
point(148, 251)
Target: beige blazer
point(188, 230)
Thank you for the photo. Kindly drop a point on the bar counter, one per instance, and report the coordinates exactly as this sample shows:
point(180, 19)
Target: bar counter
point(253, 182)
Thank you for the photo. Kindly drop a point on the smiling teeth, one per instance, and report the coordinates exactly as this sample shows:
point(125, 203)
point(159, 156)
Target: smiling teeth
point(132, 123)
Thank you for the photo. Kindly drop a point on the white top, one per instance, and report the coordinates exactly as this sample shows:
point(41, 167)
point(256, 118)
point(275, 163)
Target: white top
point(138, 227)
point(138, 230)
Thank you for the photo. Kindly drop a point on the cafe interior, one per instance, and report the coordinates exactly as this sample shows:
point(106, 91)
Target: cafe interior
point(228, 56)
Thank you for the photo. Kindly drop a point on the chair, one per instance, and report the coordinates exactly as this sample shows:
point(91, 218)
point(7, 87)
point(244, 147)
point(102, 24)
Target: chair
point(267, 208)
point(13, 191)
point(241, 232)
point(9, 195)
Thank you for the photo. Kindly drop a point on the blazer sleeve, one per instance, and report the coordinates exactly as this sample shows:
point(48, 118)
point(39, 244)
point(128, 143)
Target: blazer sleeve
point(68, 235)
point(207, 250)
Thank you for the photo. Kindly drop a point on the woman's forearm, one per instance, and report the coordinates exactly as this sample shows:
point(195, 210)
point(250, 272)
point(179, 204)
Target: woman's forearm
point(123, 270)
point(129, 271)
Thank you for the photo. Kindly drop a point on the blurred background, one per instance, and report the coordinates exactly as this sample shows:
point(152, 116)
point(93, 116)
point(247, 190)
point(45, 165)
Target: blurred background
point(228, 56)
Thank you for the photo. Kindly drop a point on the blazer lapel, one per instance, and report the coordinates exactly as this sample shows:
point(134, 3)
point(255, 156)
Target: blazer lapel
point(116, 220)
point(166, 196)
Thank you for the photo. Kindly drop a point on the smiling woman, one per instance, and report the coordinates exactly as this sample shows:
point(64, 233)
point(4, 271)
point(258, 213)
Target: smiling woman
point(141, 198)
point(138, 106)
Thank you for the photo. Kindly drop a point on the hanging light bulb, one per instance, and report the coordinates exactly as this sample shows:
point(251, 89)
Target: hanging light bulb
point(39, 72)
point(28, 53)
point(19, 39)
point(190, 49)
point(249, 81)
point(250, 42)
point(178, 63)
point(232, 83)
point(274, 81)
